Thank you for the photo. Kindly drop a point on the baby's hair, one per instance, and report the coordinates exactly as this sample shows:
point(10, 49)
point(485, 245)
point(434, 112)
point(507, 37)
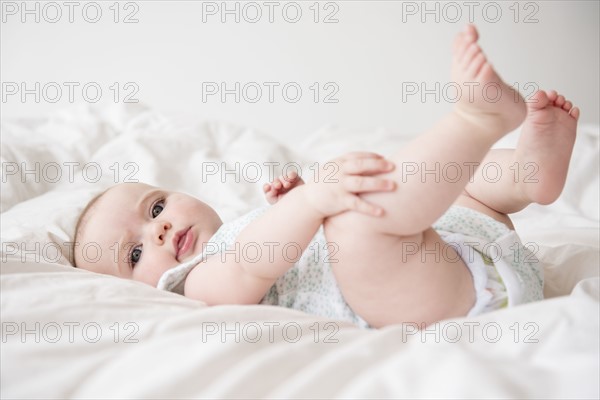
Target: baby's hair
point(81, 221)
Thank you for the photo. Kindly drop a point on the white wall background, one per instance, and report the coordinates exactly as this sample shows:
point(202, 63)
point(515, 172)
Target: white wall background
point(374, 49)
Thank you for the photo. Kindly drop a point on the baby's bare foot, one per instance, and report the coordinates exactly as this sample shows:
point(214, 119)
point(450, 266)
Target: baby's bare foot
point(486, 100)
point(545, 146)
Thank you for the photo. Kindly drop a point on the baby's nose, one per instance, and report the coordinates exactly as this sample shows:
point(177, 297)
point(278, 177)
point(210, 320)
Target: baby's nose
point(160, 230)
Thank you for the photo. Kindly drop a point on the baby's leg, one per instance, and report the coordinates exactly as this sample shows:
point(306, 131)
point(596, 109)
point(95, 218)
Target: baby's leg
point(416, 276)
point(433, 170)
point(535, 172)
point(396, 268)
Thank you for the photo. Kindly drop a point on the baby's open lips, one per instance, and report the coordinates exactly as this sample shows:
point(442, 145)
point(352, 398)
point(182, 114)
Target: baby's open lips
point(182, 242)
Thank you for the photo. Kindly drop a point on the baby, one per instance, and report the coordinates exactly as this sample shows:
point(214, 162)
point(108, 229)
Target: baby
point(374, 241)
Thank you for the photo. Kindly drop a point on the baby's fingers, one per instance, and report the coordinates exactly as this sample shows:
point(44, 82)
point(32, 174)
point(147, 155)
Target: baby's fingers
point(291, 180)
point(355, 203)
point(367, 166)
point(286, 182)
point(359, 154)
point(270, 194)
point(363, 184)
point(277, 185)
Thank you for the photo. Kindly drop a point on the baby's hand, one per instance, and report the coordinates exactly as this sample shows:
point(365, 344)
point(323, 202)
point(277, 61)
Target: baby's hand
point(341, 181)
point(280, 186)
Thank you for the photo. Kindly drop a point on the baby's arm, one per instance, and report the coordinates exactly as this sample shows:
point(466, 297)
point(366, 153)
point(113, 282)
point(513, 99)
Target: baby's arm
point(271, 244)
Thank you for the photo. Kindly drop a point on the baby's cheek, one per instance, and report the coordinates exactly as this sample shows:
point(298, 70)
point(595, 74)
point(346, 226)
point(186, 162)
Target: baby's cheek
point(150, 273)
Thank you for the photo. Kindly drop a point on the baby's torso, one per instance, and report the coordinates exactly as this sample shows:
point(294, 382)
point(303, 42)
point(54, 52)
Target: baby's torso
point(308, 286)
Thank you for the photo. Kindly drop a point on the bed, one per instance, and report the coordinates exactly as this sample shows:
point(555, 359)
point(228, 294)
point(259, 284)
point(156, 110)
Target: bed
point(68, 333)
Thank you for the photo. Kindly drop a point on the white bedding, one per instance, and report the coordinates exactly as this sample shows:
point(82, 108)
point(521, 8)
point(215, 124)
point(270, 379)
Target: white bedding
point(52, 313)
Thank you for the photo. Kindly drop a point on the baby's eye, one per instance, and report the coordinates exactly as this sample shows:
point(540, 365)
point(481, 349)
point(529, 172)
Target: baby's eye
point(157, 208)
point(135, 255)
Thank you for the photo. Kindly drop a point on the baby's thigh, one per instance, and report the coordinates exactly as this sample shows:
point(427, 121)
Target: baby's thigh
point(390, 279)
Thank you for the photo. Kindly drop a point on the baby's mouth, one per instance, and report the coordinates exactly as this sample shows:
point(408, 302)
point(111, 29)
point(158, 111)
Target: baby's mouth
point(182, 242)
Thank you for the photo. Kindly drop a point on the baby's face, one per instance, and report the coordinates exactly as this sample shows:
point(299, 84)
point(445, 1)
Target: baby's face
point(138, 232)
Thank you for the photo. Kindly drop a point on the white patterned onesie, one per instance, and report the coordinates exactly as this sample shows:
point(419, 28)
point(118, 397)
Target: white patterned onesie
point(501, 277)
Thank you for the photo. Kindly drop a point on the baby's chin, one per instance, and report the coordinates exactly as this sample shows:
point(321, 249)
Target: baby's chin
point(202, 245)
point(191, 256)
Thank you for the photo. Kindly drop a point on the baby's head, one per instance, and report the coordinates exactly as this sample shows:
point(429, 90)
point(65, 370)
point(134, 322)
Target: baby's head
point(138, 232)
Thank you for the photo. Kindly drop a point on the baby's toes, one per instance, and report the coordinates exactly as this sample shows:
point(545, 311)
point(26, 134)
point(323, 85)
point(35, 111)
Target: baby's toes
point(552, 95)
point(574, 112)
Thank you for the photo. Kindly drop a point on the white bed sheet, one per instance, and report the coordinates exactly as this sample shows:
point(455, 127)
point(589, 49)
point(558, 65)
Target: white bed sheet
point(547, 349)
